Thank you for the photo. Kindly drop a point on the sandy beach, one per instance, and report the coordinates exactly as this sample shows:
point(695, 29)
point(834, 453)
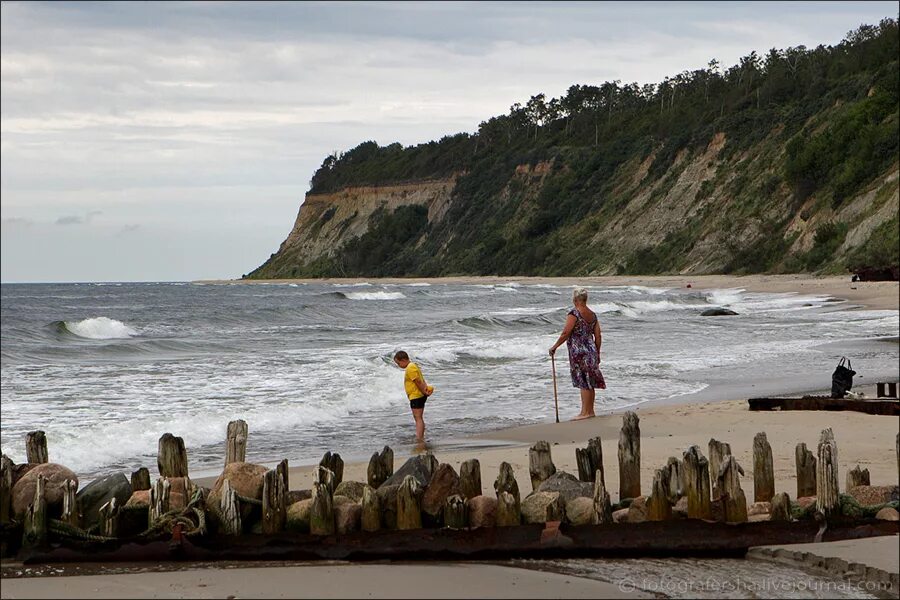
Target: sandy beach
point(666, 430)
point(874, 295)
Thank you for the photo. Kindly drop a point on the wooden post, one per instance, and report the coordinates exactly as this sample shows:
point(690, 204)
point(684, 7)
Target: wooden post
point(274, 503)
point(456, 512)
point(676, 479)
point(763, 469)
point(381, 466)
point(109, 518)
point(540, 463)
point(6, 474)
point(658, 507)
point(806, 471)
point(506, 482)
point(140, 479)
point(409, 504)
point(729, 481)
point(470, 478)
point(283, 470)
point(171, 457)
point(159, 499)
point(325, 476)
point(630, 457)
point(236, 442)
point(696, 484)
point(70, 506)
point(827, 490)
point(717, 453)
point(508, 511)
point(897, 449)
point(781, 507)
point(229, 511)
point(36, 517)
point(335, 463)
point(371, 510)
point(321, 513)
point(590, 460)
point(857, 477)
point(36, 447)
point(602, 507)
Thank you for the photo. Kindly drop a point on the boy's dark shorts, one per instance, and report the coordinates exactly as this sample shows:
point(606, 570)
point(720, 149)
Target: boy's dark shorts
point(418, 402)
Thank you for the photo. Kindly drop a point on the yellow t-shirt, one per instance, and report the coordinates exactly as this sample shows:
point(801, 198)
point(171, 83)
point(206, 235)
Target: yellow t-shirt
point(413, 372)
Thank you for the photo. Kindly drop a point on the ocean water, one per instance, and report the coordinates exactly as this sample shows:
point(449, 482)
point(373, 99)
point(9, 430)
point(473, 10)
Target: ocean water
point(105, 369)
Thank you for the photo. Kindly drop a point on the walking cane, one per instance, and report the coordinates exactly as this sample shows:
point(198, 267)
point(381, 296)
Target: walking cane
point(555, 399)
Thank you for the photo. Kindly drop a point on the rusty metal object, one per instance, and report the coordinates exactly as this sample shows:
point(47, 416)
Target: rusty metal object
point(872, 407)
point(652, 538)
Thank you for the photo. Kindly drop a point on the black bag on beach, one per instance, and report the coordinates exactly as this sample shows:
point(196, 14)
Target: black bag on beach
point(842, 379)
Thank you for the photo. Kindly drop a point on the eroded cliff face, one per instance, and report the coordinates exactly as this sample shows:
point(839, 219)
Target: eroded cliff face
point(707, 207)
point(325, 222)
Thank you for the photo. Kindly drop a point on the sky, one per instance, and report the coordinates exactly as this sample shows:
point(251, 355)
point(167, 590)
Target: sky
point(175, 141)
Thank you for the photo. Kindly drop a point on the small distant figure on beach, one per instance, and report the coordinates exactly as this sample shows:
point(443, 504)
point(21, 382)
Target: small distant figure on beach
point(417, 390)
point(583, 337)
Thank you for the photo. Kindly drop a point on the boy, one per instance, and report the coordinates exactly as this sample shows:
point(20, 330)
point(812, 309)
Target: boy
point(416, 390)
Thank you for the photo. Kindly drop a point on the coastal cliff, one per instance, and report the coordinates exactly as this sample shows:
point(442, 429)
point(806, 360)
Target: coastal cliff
point(786, 163)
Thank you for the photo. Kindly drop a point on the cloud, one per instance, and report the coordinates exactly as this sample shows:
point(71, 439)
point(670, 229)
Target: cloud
point(155, 112)
point(78, 220)
point(17, 222)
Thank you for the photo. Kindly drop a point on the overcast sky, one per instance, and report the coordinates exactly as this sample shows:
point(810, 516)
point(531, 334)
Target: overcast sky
point(175, 141)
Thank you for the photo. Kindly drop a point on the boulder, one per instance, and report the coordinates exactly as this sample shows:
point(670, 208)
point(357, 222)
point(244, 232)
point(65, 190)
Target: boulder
point(339, 500)
point(55, 477)
point(759, 517)
point(806, 501)
point(297, 495)
point(482, 511)
point(97, 493)
point(540, 507)
point(19, 471)
point(759, 508)
point(139, 498)
point(871, 495)
point(298, 516)
point(620, 516)
point(246, 479)
point(580, 511)
point(568, 486)
point(444, 484)
point(422, 467)
point(717, 312)
point(387, 500)
point(347, 517)
point(637, 510)
point(350, 489)
point(680, 510)
point(888, 514)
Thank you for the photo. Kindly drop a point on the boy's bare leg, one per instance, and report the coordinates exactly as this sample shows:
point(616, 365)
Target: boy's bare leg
point(419, 416)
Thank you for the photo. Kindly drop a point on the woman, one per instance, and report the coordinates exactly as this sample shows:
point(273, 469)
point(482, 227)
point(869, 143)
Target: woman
point(582, 336)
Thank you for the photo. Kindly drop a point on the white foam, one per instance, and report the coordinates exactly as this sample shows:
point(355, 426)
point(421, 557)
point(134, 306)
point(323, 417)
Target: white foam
point(100, 328)
point(375, 295)
point(725, 297)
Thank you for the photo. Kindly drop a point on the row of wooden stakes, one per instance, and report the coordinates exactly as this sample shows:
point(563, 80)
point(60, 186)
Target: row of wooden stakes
point(701, 481)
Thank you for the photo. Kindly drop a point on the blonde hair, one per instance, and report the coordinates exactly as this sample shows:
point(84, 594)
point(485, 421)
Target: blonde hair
point(579, 293)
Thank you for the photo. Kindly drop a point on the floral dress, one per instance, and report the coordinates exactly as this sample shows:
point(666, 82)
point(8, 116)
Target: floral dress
point(583, 360)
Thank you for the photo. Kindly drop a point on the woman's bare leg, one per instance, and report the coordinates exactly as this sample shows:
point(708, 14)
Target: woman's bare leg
point(419, 416)
point(588, 407)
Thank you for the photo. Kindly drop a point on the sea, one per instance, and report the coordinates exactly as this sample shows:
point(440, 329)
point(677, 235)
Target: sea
point(106, 368)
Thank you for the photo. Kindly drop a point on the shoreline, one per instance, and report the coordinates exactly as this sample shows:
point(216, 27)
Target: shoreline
point(870, 295)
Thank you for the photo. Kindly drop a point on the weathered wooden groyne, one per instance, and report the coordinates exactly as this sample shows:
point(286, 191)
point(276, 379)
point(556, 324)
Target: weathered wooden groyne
point(427, 509)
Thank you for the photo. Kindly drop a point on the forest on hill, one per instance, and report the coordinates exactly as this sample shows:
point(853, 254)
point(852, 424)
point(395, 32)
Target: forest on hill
point(783, 162)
